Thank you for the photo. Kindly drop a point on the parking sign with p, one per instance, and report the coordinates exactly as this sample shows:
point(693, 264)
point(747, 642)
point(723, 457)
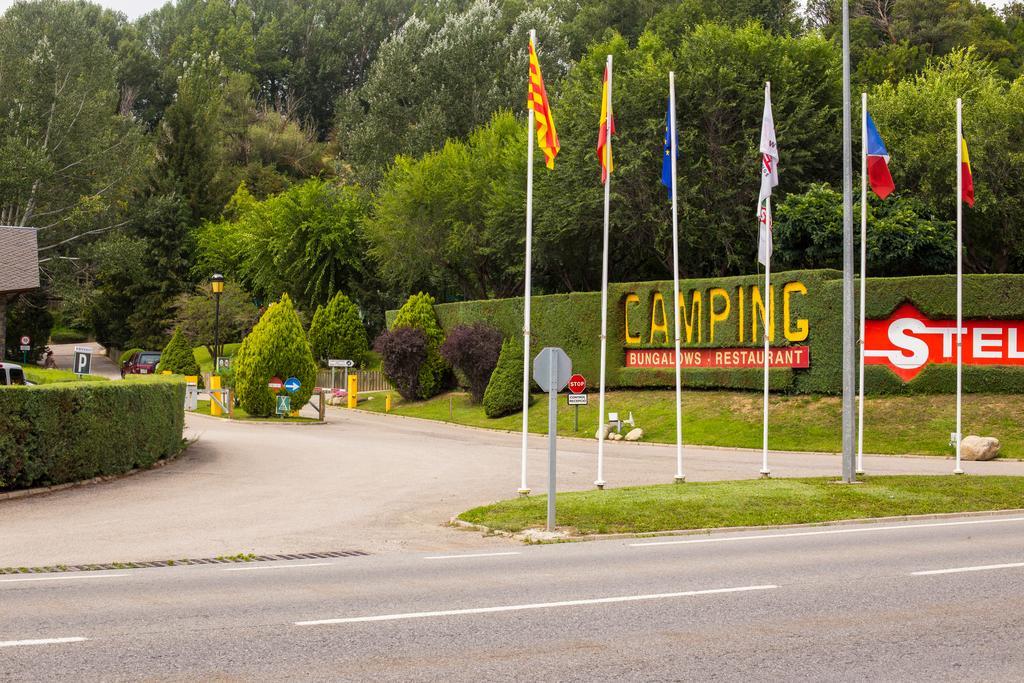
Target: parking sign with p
point(82, 363)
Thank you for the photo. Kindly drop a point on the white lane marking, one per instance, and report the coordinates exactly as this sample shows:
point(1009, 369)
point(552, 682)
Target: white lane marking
point(63, 578)
point(979, 568)
point(538, 605)
point(276, 566)
point(459, 557)
point(40, 641)
point(854, 530)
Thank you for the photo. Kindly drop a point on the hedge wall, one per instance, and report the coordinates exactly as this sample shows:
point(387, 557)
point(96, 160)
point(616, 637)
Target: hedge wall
point(573, 321)
point(65, 432)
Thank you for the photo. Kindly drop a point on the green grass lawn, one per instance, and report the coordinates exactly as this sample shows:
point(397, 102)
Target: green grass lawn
point(202, 356)
point(43, 376)
point(892, 424)
point(752, 503)
point(203, 408)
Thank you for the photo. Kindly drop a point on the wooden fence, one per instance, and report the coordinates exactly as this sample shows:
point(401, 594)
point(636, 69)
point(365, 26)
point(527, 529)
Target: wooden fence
point(369, 380)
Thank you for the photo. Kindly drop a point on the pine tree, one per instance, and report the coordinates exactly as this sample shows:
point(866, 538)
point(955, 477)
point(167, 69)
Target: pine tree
point(276, 347)
point(177, 356)
point(418, 312)
point(504, 394)
point(338, 332)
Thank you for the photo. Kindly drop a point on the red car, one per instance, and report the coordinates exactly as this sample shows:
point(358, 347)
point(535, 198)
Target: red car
point(141, 363)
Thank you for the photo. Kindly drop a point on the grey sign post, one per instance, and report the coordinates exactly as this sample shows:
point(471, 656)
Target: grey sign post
point(551, 371)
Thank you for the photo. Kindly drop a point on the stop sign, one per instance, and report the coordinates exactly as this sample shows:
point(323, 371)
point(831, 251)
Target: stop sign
point(577, 384)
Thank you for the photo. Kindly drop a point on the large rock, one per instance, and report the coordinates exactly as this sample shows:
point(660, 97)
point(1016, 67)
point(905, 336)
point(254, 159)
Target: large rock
point(602, 428)
point(635, 434)
point(979, 447)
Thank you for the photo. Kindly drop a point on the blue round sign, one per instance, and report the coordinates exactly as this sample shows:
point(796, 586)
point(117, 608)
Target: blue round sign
point(292, 384)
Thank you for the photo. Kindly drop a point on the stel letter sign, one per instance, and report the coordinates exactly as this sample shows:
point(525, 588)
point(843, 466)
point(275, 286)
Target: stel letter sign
point(907, 341)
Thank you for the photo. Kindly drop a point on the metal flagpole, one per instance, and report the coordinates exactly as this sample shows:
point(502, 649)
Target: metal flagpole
point(959, 274)
point(765, 472)
point(849, 320)
point(524, 490)
point(863, 269)
point(680, 477)
point(600, 482)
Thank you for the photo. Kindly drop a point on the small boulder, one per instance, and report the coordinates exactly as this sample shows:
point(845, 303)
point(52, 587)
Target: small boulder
point(615, 436)
point(635, 434)
point(603, 428)
point(979, 447)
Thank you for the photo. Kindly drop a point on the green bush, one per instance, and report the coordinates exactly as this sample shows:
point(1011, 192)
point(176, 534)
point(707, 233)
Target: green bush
point(277, 346)
point(71, 431)
point(504, 393)
point(39, 375)
point(177, 356)
point(418, 312)
point(128, 353)
point(337, 331)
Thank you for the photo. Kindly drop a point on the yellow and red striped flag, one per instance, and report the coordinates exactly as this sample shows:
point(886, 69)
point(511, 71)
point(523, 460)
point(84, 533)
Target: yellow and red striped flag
point(967, 182)
point(604, 133)
point(537, 100)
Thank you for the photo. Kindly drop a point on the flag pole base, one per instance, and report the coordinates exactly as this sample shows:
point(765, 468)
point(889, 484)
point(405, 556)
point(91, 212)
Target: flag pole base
point(523, 492)
point(680, 479)
point(958, 471)
point(859, 472)
point(765, 474)
point(600, 484)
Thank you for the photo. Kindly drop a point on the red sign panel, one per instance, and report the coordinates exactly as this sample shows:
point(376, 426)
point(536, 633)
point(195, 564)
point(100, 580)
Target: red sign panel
point(577, 384)
point(275, 383)
point(907, 341)
point(779, 357)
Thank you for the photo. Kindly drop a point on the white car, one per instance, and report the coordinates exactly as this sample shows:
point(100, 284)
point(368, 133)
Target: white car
point(11, 374)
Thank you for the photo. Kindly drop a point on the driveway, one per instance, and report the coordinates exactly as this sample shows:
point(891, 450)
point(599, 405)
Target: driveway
point(363, 481)
point(63, 355)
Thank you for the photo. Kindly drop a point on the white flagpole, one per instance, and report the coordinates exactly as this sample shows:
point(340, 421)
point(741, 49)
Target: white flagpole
point(680, 477)
point(600, 482)
point(959, 275)
point(524, 490)
point(863, 269)
point(765, 472)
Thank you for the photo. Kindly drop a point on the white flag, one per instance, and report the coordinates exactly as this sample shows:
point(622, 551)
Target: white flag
point(769, 178)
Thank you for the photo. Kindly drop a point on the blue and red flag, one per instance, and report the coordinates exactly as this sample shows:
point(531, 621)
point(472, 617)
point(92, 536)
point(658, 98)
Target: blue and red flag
point(878, 163)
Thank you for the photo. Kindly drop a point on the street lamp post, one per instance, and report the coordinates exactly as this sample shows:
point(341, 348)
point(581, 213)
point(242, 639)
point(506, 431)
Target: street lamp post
point(217, 286)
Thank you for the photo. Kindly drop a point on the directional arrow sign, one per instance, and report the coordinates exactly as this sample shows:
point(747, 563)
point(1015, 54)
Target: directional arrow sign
point(292, 384)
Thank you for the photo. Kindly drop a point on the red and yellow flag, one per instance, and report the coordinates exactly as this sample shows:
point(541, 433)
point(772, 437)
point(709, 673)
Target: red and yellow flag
point(537, 100)
point(967, 180)
point(605, 132)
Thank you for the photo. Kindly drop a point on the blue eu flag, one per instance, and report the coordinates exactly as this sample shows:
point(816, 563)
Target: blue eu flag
point(666, 159)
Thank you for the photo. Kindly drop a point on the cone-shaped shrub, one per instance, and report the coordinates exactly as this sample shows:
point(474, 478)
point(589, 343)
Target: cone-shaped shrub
point(418, 312)
point(177, 356)
point(473, 351)
point(276, 347)
point(504, 394)
point(338, 332)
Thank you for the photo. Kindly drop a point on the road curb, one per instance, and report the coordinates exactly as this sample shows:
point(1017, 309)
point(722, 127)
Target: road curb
point(656, 444)
point(42, 490)
point(526, 536)
point(256, 422)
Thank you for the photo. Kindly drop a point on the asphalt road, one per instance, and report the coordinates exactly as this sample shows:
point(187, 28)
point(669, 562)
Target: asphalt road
point(365, 481)
point(825, 603)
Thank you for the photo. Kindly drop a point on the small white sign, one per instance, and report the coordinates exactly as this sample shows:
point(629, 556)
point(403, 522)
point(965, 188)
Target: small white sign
point(26, 347)
point(577, 399)
point(340, 363)
point(83, 349)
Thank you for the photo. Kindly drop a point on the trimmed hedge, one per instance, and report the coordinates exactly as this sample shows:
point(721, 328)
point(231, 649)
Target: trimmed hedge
point(572, 321)
point(65, 432)
point(504, 393)
point(39, 375)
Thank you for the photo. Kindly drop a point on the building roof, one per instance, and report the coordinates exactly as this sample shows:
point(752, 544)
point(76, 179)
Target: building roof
point(19, 260)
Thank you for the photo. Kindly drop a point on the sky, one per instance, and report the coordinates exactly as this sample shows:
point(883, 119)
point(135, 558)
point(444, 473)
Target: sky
point(136, 8)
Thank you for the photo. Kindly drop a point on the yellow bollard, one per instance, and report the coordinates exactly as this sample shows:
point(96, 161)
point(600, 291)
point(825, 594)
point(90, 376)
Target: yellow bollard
point(166, 372)
point(353, 389)
point(215, 409)
point(387, 404)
